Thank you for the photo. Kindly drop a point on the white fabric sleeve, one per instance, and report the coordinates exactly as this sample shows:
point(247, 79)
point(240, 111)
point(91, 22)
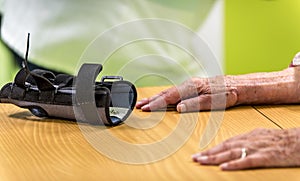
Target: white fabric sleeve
point(1, 6)
point(62, 31)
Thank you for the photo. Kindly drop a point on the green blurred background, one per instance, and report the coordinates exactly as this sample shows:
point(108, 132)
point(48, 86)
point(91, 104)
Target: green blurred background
point(259, 35)
point(7, 67)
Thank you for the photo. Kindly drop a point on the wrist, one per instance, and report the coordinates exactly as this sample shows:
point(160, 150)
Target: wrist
point(266, 88)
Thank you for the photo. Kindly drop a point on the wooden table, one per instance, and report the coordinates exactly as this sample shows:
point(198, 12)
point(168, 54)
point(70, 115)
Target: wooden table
point(47, 149)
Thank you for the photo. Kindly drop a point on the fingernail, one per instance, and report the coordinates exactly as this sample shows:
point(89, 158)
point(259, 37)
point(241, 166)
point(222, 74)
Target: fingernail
point(195, 156)
point(224, 166)
point(202, 158)
point(141, 101)
point(181, 108)
point(138, 105)
point(146, 107)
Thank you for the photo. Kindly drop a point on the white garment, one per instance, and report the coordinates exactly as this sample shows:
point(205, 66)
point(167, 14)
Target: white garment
point(61, 30)
point(1, 5)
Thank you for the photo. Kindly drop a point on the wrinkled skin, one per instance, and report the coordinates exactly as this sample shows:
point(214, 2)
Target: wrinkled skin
point(264, 148)
point(193, 95)
point(196, 94)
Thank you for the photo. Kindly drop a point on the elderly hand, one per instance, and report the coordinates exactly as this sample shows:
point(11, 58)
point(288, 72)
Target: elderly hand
point(193, 95)
point(221, 92)
point(259, 148)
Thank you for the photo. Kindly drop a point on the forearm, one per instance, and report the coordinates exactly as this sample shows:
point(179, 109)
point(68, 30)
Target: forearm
point(267, 88)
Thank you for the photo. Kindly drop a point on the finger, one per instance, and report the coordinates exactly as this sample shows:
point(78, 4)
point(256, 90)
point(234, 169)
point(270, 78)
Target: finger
point(159, 101)
point(141, 103)
point(223, 147)
point(189, 89)
point(239, 141)
point(252, 142)
point(145, 101)
point(208, 102)
point(157, 104)
point(252, 161)
point(219, 158)
point(173, 95)
point(167, 97)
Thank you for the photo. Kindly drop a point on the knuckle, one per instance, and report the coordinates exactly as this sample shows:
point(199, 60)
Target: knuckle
point(232, 98)
point(199, 85)
point(226, 145)
point(205, 99)
point(233, 154)
point(169, 96)
point(212, 159)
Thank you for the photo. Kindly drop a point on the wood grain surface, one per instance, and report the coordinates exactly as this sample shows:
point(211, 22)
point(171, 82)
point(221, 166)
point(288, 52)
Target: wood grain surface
point(32, 148)
point(286, 116)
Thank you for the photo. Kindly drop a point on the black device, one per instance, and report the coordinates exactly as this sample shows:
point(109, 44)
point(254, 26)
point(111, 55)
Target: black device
point(80, 97)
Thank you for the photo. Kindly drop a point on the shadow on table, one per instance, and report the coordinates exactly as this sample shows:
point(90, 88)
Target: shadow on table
point(26, 115)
